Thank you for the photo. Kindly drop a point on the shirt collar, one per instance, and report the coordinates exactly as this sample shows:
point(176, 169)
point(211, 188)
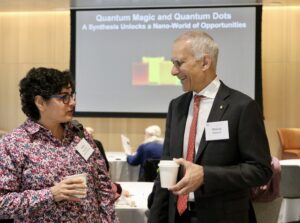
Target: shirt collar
point(33, 127)
point(211, 90)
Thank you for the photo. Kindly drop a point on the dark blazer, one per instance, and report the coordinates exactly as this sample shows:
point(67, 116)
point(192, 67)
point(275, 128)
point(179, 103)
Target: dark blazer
point(231, 167)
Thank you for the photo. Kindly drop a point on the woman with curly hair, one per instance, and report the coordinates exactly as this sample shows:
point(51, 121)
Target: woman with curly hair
point(36, 158)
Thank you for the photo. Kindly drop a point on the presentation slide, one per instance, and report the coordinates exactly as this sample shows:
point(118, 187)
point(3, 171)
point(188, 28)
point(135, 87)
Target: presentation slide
point(122, 57)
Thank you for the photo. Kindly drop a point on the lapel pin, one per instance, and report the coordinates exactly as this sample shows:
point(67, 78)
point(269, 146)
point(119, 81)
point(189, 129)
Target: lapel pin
point(221, 106)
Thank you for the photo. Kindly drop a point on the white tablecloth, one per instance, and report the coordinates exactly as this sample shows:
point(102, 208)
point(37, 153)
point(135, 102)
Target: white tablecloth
point(132, 209)
point(290, 207)
point(291, 162)
point(289, 211)
point(119, 169)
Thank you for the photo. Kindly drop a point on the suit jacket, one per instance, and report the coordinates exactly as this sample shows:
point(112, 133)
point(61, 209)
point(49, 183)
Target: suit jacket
point(231, 166)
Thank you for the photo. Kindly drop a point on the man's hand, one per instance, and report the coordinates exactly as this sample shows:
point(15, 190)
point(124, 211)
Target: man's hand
point(67, 190)
point(192, 179)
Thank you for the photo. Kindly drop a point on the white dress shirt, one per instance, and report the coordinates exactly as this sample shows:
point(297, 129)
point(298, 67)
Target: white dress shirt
point(208, 95)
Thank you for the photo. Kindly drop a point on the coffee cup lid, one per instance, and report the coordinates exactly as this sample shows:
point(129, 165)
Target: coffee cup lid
point(168, 163)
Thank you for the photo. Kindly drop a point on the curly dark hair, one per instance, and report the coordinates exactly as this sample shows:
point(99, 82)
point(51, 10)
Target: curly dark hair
point(44, 82)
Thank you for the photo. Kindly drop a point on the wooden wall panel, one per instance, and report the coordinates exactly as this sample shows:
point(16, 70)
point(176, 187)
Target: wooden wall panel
point(108, 130)
point(281, 58)
point(10, 36)
point(9, 106)
point(43, 39)
point(274, 23)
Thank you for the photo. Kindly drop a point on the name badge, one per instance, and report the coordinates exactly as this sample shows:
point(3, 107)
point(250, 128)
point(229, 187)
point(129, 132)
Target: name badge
point(84, 149)
point(216, 130)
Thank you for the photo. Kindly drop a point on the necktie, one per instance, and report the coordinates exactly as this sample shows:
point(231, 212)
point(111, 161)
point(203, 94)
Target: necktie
point(182, 199)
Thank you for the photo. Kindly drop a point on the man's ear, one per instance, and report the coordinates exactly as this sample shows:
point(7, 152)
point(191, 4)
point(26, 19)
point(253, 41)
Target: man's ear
point(39, 102)
point(206, 62)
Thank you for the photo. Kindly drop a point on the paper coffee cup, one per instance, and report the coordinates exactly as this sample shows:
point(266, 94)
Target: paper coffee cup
point(83, 177)
point(168, 170)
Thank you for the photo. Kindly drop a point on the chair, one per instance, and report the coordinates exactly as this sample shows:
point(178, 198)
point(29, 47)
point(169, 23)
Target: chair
point(290, 142)
point(150, 169)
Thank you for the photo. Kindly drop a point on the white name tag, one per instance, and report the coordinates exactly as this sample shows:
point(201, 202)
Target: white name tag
point(84, 149)
point(216, 130)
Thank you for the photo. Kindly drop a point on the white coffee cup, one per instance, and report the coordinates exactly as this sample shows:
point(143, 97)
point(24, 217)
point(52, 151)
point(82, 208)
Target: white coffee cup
point(83, 177)
point(168, 170)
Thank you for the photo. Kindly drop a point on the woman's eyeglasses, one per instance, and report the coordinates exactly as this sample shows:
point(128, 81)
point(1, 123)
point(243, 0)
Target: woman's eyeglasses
point(65, 97)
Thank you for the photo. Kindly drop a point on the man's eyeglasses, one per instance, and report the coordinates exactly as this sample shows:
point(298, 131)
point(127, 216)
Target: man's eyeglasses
point(65, 97)
point(177, 63)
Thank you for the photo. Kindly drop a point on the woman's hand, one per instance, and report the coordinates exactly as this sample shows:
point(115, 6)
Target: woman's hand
point(68, 189)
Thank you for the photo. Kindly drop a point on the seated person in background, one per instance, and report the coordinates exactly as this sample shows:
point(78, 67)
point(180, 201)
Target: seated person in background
point(150, 149)
point(37, 157)
point(117, 189)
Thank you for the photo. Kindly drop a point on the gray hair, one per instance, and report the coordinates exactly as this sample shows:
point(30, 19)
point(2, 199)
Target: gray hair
point(201, 43)
point(153, 130)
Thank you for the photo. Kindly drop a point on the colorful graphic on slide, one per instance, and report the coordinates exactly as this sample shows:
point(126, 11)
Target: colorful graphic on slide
point(153, 71)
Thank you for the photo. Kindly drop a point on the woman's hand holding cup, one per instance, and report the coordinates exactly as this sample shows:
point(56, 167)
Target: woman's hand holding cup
point(72, 188)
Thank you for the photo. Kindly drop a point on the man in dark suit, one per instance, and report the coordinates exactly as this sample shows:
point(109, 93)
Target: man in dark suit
point(230, 151)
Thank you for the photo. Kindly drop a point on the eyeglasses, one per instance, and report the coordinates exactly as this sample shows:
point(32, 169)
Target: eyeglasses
point(65, 97)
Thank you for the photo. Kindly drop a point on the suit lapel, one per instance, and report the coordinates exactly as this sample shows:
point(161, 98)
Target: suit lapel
point(218, 109)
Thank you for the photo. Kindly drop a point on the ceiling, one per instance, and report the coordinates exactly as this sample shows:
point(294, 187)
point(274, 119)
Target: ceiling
point(63, 5)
